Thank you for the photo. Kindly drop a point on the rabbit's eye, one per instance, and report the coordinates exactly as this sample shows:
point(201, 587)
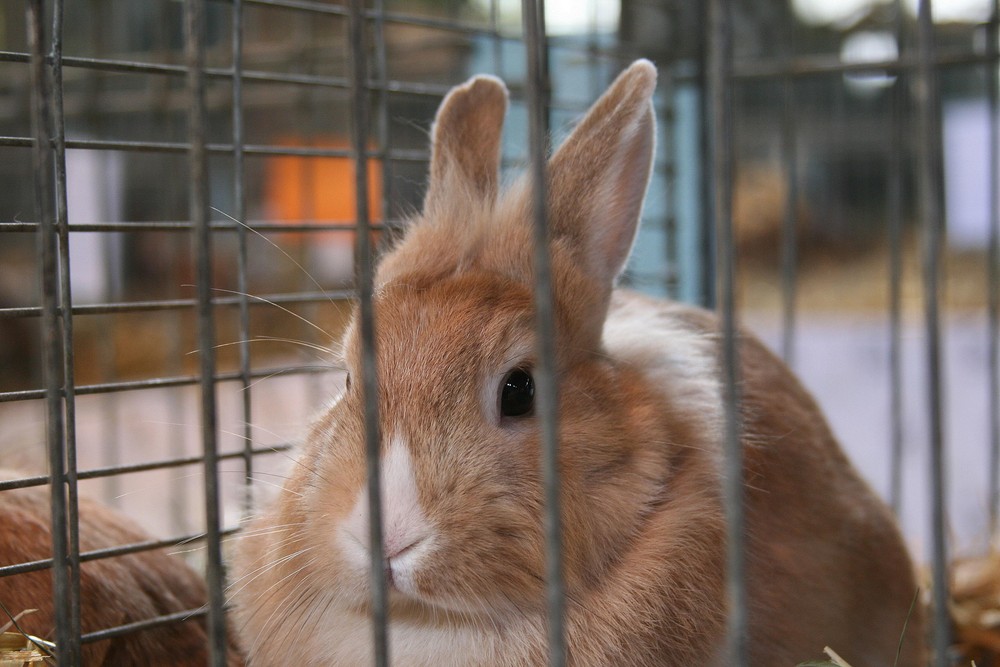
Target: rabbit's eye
point(517, 394)
point(347, 382)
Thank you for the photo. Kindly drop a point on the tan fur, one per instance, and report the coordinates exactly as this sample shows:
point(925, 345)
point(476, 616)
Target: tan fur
point(639, 458)
point(466, 154)
point(113, 591)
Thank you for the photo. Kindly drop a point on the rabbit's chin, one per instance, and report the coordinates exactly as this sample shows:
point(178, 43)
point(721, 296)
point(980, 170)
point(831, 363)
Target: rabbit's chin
point(400, 574)
point(402, 604)
point(407, 599)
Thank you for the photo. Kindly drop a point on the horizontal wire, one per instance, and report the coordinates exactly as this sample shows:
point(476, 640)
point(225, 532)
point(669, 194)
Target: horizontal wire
point(181, 304)
point(776, 68)
point(180, 226)
point(108, 552)
point(166, 382)
point(147, 624)
point(99, 554)
point(182, 147)
point(409, 88)
point(129, 468)
point(24, 482)
point(121, 66)
point(464, 27)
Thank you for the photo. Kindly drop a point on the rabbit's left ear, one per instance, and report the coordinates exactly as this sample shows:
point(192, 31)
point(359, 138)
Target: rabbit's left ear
point(465, 144)
point(599, 175)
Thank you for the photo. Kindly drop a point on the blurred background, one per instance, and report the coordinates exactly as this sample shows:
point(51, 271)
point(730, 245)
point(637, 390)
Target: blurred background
point(825, 216)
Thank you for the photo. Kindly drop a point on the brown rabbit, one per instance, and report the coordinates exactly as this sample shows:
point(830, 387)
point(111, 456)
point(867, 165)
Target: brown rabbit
point(113, 591)
point(639, 449)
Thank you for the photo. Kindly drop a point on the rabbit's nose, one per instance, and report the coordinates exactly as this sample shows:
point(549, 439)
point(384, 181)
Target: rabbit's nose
point(396, 549)
point(401, 564)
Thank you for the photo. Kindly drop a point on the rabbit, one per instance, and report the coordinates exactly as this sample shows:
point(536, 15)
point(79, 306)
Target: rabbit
point(113, 591)
point(640, 449)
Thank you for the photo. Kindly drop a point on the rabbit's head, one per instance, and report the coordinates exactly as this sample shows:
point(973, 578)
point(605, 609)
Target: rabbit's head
point(462, 499)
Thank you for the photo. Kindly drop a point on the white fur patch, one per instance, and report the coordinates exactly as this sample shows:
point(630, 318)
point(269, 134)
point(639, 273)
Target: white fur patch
point(407, 534)
point(647, 334)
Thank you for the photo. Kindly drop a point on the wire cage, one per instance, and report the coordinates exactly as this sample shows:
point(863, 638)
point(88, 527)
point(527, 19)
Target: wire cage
point(196, 191)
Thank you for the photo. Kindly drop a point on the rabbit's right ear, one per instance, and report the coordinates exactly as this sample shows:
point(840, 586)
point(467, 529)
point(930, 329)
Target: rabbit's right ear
point(599, 176)
point(465, 144)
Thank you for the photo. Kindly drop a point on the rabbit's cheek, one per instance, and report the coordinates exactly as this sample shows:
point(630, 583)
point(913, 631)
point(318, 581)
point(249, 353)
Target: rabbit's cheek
point(407, 534)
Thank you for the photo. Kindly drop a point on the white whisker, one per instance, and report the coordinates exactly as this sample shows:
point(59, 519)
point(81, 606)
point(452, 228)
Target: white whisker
point(282, 251)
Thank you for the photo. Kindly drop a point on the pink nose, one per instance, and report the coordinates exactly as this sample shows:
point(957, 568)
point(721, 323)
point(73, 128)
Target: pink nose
point(397, 548)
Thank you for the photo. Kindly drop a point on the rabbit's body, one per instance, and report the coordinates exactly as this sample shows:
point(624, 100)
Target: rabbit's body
point(640, 415)
point(113, 591)
point(825, 563)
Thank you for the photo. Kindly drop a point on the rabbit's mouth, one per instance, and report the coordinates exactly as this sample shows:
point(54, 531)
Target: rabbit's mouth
point(402, 565)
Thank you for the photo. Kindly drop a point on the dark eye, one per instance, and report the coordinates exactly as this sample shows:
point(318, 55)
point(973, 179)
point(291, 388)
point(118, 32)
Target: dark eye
point(347, 382)
point(517, 394)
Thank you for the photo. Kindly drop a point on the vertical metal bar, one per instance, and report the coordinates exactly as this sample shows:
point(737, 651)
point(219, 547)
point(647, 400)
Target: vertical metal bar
point(789, 231)
point(178, 410)
point(305, 31)
point(43, 159)
point(194, 47)
point(895, 233)
point(547, 402)
point(365, 280)
point(993, 268)
point(110, 414)
point(597, 82)
point(496, 42)
point(382, 77)
point(107, 352)
point(541, 51)
point(182, 512)
point(720, 96)
point(71, 598)
point(841, 190)
point(927, 101)
point(106, 355)
point(706, 242)
point(668, 134)
point(243, 257)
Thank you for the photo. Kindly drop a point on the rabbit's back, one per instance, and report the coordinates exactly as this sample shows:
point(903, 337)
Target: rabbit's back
point(826, 565)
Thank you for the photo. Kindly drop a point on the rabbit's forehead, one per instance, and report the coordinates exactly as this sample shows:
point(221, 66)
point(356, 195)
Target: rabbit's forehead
point(463, 311)
point(460, 326)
